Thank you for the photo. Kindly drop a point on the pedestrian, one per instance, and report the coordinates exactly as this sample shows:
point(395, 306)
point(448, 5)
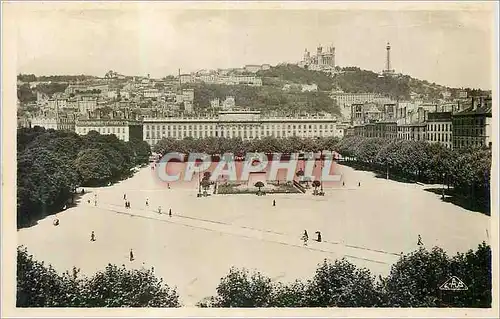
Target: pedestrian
point(170, 212)
point(159, 209)
point(88, 201)
point(128, 204)
point(92, 236)
point(274, 202)
point(168, 185)
point(147, 202)
point(125, 196)
point(359, 184)
point(131, 255)
point(343, 183)
point(305, 237)
point(419, 241)
point(83, 191)
point(95, 202)
point(319, 236)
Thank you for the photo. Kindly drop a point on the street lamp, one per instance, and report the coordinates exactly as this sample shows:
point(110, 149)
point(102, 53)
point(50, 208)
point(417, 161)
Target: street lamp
point(442, 194)
point(199, 183)
point(322, 166)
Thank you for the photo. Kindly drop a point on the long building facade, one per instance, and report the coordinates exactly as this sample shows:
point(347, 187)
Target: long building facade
point(123, 129)
point(244, 124)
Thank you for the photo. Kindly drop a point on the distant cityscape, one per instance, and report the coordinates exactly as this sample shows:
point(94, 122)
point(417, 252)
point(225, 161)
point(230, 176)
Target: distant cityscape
point(152, 109)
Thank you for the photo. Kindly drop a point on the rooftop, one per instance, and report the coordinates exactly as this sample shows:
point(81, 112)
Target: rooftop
point(478, 111)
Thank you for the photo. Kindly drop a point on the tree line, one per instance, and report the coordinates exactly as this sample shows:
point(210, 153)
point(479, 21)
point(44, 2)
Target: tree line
point(239, 147)
point(415, 280)
point(466, 170)
point(26, 94)
point(52, 164)
point(54, 78)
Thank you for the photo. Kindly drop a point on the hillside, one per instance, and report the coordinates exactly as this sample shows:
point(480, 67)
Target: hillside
point(266, 98)
point(354, 80)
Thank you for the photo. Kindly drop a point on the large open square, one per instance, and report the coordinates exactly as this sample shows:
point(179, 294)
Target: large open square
point(370, 225)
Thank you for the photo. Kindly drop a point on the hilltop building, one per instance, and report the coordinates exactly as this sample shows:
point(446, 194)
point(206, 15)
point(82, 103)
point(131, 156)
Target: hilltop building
point(322, 61)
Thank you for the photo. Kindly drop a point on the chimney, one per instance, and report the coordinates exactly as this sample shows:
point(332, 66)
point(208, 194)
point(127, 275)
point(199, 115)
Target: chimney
point(474, 104)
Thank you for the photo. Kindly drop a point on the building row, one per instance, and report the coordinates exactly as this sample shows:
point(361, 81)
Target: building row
point(214, 78)
point(454, 128)
point(235, 123)
point(243, 124)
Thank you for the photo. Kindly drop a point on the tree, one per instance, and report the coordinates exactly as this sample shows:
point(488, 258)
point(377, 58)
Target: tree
point(259, 185)
point(474, 269)
point(41, 286)
point(205, 184)
point(341, 284)
point(289, 295)
point(25, 94)
point(93, 167)
point(414, 281)
point(119, 287)
point(239, 288)
point(37, 195)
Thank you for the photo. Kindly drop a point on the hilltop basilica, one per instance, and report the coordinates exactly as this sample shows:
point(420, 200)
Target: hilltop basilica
point(322, 61)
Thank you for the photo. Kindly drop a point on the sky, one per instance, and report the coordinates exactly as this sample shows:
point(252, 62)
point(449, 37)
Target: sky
point(443, 45)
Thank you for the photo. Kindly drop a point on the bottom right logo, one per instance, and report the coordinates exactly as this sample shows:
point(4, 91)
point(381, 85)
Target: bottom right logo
point(454, 284)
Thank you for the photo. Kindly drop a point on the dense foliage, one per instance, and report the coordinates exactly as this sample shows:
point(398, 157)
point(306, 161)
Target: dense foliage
point(286, 73)
point(53, 78)
point(25, 94)
point(51, 164)
point(414, 281)
point(264, 98)
point(353, 80)
point(269, 144)
point(466, 170)
point(41, 286)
